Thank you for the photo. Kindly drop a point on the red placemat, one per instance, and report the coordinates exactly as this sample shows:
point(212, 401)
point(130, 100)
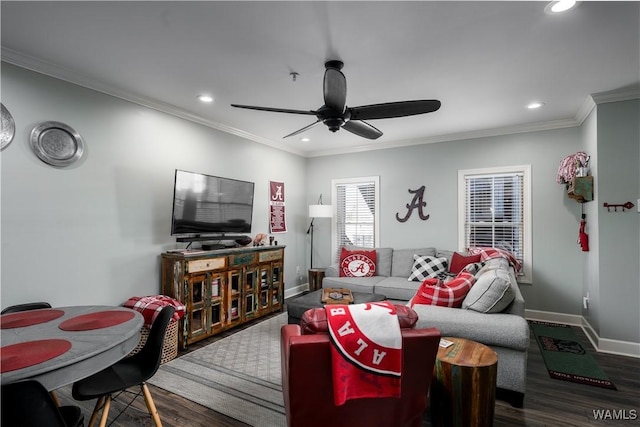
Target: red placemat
point(25, 354)
point(28, 318)
point(98, 320)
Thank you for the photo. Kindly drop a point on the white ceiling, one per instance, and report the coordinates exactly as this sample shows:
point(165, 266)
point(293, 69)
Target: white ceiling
point(484, 60)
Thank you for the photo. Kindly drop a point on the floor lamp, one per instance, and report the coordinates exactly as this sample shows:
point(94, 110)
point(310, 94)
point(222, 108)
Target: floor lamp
point(318, 211)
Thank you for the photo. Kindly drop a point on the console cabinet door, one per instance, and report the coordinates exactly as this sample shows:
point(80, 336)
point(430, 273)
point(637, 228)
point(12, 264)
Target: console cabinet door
point(216, 286)
point(276, 286)
point(196, 295)
point(233, 298)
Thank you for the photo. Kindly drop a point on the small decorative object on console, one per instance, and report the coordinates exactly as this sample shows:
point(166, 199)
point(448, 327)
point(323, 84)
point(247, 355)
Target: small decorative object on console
point(260, 239)
point(337, 296)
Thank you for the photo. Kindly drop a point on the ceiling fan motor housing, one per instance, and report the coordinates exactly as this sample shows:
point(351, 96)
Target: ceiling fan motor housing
point(333, 123)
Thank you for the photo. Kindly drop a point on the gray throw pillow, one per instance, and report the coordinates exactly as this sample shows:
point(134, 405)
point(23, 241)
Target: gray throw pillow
point(491, 293)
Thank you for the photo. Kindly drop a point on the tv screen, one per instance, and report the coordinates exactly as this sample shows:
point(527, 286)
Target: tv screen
point(204, 204)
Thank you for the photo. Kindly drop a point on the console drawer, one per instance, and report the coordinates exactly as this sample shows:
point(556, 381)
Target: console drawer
point(207, 264)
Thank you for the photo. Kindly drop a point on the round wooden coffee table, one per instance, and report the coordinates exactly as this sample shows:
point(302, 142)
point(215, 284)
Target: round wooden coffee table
point(463, 388)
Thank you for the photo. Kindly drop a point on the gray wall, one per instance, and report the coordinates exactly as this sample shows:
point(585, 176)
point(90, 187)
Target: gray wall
point(590, 260)
point(619, 237)
point(92, 233)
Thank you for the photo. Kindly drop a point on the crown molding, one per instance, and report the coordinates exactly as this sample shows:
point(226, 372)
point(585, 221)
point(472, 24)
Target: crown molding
point(483, 133)
point(624, 94)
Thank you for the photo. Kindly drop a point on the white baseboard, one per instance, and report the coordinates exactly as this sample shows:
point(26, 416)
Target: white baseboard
point(296, 290)
point(549, 316)
point(603, 345)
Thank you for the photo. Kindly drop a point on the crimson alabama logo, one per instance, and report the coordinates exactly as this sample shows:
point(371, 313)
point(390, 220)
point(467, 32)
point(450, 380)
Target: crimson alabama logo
point(357, 265)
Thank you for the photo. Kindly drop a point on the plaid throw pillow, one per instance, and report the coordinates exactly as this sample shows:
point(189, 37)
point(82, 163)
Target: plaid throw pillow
point(450, 294)
point(425, 267)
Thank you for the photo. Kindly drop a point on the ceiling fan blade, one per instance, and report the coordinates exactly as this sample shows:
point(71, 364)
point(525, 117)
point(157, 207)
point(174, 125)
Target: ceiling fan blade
point(302, 130)
point(275, 110)
point(362, 129)
point(394, 109)
point(335, 90)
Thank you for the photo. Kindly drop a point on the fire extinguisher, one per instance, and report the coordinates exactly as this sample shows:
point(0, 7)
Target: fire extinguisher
point(583, 238)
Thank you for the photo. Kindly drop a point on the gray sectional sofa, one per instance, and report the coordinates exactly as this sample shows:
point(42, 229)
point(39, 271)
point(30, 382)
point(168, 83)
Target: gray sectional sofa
point(505, 330)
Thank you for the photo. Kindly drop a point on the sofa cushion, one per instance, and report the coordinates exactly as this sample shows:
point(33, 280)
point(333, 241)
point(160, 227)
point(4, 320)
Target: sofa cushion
point(450, 294)
point(397, 288)
point(491, 293)
point(403, 260)
point(383, 258)
point(360, 263)
point(460, 261)
point(426, 267)
point(355, 284)
point(499, 329)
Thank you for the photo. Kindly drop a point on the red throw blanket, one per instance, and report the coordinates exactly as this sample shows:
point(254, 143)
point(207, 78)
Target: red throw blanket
point(151, 306)
point(366, 351)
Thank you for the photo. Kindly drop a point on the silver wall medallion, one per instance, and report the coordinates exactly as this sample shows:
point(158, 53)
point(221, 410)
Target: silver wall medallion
point(56, 143)
point(8, 128)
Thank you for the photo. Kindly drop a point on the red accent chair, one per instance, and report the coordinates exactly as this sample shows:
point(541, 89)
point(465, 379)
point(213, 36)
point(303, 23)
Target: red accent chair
point(308, 389)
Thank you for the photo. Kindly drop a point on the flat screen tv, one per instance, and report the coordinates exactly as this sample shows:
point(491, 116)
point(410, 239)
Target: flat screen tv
point(210, 205)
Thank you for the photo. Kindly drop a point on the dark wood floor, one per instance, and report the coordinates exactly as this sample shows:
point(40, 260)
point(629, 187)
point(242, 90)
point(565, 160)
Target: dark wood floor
point(548, 402)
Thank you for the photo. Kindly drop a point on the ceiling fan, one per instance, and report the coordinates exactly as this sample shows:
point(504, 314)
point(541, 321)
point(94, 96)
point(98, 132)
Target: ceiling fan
point(335, 114)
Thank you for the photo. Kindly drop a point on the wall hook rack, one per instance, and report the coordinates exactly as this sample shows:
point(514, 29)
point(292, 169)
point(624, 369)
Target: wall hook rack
point(624, 206)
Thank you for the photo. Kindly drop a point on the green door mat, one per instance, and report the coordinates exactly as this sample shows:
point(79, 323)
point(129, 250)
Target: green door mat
point(565, 357)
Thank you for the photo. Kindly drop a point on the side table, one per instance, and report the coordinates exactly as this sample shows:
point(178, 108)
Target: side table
point(315, 278)
point(463, 387)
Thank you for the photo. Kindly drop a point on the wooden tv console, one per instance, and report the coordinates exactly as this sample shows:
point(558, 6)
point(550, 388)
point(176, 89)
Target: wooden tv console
point(223, 288)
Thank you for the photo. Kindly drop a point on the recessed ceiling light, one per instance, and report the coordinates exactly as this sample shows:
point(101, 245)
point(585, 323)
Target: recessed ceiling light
point(534, 105)
point(560, 6)
point(305, 139)
point(205, 98)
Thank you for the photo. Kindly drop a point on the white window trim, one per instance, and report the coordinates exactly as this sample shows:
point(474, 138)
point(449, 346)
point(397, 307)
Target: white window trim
point(527, 269)
point(376, 215)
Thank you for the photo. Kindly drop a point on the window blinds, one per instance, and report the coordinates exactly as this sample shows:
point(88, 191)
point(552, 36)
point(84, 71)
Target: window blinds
point(355, 218)
point(494, 212)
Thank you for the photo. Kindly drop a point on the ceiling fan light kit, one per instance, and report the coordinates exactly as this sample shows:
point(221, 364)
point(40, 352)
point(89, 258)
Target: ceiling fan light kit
point(336, 115)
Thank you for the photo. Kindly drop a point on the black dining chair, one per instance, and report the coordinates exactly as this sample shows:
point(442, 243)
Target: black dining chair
point(28, 404)
point(25, 307)
point(129, 372)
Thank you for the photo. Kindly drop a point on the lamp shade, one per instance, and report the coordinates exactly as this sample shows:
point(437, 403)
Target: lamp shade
point(320, 211)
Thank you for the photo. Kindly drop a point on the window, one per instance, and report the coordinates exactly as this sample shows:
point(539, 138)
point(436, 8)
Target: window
point(494, 210)
point(356, 220)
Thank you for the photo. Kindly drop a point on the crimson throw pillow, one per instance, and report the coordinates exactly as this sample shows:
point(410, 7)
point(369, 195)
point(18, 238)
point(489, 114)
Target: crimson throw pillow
point(451, 294)
point(357, 263)
point(459, 261)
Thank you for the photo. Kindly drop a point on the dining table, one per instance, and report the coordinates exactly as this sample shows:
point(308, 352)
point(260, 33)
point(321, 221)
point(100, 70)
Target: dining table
point(58, 346)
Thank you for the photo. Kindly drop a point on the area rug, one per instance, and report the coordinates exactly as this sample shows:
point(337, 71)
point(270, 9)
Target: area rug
point(238, 376)
point(565, 358)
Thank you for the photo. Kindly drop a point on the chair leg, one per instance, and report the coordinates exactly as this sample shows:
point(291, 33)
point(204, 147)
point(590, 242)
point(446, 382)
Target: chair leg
point(151, 407)
point(105, 411)
point(94, 414)
point(54, 396)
